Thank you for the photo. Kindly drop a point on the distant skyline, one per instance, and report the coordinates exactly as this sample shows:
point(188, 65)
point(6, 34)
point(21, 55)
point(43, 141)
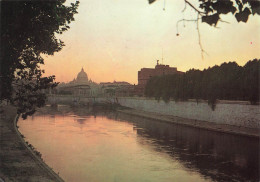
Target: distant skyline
point(114, 39)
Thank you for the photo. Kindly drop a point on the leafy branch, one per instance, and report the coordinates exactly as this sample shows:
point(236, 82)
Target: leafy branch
point(209, 11)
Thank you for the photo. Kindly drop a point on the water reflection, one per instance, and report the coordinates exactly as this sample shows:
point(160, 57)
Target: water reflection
point(93, 144)
point(220, 156)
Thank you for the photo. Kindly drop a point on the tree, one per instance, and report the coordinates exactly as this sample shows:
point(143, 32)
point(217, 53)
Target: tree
point(251, 82)
point(28, 30)
point(229, 81)
point(211, 11)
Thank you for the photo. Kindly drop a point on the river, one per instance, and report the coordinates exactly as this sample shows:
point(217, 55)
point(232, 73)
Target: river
point(100, 145)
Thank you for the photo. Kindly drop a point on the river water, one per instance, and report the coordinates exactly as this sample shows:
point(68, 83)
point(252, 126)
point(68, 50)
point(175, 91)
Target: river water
point(99, 145)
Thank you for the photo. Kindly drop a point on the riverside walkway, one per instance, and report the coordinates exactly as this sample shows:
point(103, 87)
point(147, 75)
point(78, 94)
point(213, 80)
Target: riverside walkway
point(17, 161)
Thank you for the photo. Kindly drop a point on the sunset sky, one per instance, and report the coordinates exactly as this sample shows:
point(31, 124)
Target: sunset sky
point(113, 39)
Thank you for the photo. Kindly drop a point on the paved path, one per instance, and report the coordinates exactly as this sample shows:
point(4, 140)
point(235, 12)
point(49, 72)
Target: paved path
point(17, 163)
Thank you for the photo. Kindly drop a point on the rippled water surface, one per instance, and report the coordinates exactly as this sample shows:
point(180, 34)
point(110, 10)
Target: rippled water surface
point(97, 145)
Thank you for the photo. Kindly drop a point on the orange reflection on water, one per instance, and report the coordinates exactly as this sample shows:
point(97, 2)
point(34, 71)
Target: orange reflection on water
point(100, 149)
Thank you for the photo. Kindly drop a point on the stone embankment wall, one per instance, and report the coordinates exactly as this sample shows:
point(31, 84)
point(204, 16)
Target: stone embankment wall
point(233, 113)
point(226, 112)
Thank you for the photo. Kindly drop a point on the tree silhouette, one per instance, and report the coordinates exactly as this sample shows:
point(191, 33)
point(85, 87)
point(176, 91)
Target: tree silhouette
point(229, 81)
point(28, 30)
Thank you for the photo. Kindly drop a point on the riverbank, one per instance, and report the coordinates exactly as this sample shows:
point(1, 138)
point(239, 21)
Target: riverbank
point(234, 113)
point(17, 161)
point(225, 128)
point(235, 117)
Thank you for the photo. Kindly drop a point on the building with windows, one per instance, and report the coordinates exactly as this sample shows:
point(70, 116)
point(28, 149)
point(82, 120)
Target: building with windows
point(146, 73)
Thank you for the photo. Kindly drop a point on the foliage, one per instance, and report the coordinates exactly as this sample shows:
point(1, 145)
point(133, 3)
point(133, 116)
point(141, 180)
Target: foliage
point(229, 81)
point(65, 92)
point(210, 11)
point(28, 30)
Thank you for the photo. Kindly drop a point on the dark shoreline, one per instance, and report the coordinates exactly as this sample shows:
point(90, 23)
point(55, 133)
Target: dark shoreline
point(18, 162)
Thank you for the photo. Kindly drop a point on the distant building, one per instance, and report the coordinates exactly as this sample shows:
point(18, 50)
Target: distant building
point(81, 86)
point(146, 73)
point(118, 89)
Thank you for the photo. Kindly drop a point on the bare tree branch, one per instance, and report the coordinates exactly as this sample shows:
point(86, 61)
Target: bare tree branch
point(184, 20)
point(223, 21)
point(185, 6)
point(199, 38)
point(193, 7)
